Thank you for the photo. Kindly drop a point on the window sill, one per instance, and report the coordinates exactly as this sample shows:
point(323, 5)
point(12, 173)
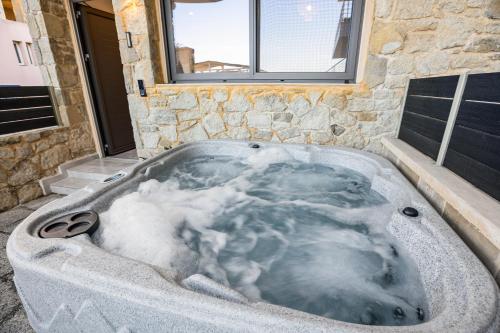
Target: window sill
point(254, 84)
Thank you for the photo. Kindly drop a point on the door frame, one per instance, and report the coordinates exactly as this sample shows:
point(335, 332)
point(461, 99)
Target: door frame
point(85, 79)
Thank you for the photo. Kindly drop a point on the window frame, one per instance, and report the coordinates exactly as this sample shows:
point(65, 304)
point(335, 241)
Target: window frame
point(19, 53)
point(349, 76)
point(29, 53)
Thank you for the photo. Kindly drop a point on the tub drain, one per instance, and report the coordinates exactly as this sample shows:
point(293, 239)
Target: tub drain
point(85, 222)
point(254, 146)
point(410, 211)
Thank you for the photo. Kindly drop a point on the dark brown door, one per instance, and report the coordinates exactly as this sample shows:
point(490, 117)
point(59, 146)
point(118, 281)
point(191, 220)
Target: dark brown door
point(101, 50)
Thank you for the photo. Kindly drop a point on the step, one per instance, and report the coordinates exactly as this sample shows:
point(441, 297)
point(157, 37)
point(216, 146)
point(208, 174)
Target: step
point(69, 185)
point(99, 169)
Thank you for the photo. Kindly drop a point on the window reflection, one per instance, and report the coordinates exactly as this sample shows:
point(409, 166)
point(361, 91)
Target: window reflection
point(211, 36)
point(304, 35)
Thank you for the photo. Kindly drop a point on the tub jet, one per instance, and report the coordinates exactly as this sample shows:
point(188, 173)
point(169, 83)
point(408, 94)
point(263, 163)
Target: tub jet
point(410, 211)
point(420, 314)
point(254, 146)
point(399, 313)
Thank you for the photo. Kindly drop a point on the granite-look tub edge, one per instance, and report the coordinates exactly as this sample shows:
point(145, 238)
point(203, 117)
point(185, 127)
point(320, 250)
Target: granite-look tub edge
point(73, 285)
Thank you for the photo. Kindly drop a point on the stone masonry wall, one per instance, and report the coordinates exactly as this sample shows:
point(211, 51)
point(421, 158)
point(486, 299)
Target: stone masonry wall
point(27, 157)
point(409, 39)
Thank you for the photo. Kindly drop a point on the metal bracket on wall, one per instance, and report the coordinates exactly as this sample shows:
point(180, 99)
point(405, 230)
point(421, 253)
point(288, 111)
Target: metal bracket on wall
point(450, 124)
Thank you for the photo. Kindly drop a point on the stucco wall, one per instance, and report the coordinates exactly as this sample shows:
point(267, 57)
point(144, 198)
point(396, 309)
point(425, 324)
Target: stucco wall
point(408, 39)
point(12, 72)
point(29, 156)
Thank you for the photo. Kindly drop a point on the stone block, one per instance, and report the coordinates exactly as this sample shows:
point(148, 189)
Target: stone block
point(24, 172)
point(317, 119)
point(220, 95)
point(168, 133)
point(259, 120)
point(335, 100)
point(419, 42)
point(433, 63)
point(6, 152)
point(337, 130)
point(29, 192)
point(493, 9)
point(150, 139)
point(262, 134)
point(208, 105)
point(184, 101)
point(453, 32)
point(383, 8)
point(269, 103)
point(234, 118)
point(320, 138)
point(54, 156)
point(237, 103)
point(385, 38)
point(162, 116)
point(194, 133)
point(375, 71)
point(213, 124)
point(189, 115)
point(413, 9)
point(238, 133)
point(483, 44)
point(403, 64)
point(283, 117)
point(299, 106)
point(289, 133)
point(8, 198)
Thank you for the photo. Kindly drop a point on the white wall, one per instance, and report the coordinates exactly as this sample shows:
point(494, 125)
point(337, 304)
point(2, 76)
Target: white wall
point(11, 72)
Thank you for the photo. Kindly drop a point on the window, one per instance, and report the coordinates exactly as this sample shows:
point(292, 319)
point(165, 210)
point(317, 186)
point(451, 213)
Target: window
point(263, 40)
point(29, 52)
point(19, 55)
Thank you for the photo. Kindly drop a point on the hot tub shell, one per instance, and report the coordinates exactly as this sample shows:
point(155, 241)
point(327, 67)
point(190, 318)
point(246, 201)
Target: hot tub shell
point(72, 285)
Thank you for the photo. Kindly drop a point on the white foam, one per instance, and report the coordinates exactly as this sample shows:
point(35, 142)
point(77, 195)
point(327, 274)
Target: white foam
point(263, 158)
point(251, 231)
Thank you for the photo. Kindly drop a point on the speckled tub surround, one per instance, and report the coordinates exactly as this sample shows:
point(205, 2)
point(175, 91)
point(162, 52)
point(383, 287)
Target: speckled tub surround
point(72, 285)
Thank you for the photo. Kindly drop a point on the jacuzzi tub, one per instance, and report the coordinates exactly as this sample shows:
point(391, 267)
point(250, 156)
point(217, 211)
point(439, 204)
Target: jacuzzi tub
point(71, 284)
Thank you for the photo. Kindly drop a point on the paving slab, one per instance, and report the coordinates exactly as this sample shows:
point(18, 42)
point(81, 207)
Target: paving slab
point(5, 267)
point(12, 315)
point(37, 203)
point(9, 218)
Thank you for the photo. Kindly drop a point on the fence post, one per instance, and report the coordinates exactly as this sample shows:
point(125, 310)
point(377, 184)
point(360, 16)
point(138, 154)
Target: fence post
point(455, 106)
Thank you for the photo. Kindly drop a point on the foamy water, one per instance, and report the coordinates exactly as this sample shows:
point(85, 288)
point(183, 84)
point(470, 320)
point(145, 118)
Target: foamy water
point(304, 236)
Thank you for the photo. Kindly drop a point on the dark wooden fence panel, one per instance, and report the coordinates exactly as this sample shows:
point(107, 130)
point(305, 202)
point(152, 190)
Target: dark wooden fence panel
point(25, 108)
point(474, 149)
point(426, 111)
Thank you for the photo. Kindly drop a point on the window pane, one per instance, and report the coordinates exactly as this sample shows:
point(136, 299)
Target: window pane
point(304, 35)
point(211, 35)
point(17, 49)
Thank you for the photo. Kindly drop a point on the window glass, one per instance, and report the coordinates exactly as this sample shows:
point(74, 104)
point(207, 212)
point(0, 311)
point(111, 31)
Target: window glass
point(28, 51)
point(17, 49)
point(211, 36)
point(304, 35)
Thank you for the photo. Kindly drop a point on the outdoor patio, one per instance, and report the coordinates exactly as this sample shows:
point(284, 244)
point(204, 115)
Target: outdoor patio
point(265, 166)
point(12, 315)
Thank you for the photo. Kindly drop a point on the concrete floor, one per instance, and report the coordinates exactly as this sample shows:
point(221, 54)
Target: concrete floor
point(12, 315)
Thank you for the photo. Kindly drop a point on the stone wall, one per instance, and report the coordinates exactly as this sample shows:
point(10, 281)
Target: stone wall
point(29, 156)
point(409, 39)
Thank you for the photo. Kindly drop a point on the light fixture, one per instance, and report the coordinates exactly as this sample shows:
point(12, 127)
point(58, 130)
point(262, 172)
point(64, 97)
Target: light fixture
point(128, 35)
